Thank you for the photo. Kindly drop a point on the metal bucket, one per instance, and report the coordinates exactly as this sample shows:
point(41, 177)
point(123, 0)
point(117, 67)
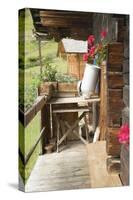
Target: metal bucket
point(87, 86)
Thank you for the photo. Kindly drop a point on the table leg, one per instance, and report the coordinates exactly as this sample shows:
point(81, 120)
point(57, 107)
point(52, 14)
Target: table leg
point(86, 128)
point(63, 130)
point(78, 135)
point(94, 115)
point(71, 128)
point(58, 132)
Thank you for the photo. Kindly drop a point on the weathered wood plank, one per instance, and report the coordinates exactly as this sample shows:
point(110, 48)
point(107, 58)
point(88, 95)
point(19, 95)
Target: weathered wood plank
point(103, 102)
point(26, 117)
point(73, 100)
point(115, 104)
point(67, 170)
point(97, 166)
point(112, 143)
point(114, 58)
point(126, 95)
point(47, 88)
point(116, 47)
point(114, 119)
point(71, 110)
point(115, 93)
point(126, 78)
point(115, 81)
point(124, 158)
point(125, 115)
point(114, 67)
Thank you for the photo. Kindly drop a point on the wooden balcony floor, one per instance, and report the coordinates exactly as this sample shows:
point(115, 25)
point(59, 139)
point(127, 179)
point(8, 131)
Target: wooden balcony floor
point(76, 167)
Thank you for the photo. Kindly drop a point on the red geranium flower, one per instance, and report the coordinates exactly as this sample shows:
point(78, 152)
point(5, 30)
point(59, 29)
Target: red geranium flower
point(92, 51)
point(91, 40)
point(123, 135)
point(103, 34)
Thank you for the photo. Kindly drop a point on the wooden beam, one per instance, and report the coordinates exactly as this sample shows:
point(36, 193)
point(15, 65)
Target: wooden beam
point(71, 110)
point(103, 102)
point(73, 100)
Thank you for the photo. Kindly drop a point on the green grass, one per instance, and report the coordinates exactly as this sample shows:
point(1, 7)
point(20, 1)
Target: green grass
point(31, 60)
point(49, 49)
point(27, 138)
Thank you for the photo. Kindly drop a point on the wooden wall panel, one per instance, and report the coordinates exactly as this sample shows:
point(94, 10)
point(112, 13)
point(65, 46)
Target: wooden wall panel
point(115, 104)
point(112, 143)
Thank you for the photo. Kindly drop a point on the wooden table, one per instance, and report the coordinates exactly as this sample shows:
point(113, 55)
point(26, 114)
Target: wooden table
point(82, 107)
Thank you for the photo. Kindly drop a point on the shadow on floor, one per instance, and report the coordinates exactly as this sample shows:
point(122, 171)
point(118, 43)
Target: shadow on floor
point(13, 185)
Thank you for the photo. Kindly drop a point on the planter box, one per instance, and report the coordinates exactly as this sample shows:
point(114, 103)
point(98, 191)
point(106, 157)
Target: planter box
point(47, 88)
point(55, 89)
point(124, 159)
point(67, 87)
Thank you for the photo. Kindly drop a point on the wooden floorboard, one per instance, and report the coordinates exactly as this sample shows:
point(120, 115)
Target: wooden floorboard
point(77, 166)
point(97, 167)
point(61, 171)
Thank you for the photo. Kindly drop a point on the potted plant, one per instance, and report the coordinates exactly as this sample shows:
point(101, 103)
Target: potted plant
point(49, 83)
point(96, 54)
point(66, 83)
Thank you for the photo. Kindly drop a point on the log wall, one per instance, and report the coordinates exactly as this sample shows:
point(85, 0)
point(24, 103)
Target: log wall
point(115, 104)
point(124, 38)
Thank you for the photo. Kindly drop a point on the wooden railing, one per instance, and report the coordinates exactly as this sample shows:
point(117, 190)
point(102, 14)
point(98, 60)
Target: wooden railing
point(26, 158)
point(25, 119)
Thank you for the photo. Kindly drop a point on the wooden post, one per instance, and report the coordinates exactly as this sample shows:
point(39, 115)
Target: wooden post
point(103, 102)
point(94, 116)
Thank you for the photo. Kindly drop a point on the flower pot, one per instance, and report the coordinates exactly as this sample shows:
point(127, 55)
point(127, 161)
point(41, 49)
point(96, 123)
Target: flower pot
point(89, 81)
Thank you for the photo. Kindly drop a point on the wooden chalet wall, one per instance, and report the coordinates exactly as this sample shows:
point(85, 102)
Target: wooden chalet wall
point(117, 82)
point(115, 103)
point(123, 37)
